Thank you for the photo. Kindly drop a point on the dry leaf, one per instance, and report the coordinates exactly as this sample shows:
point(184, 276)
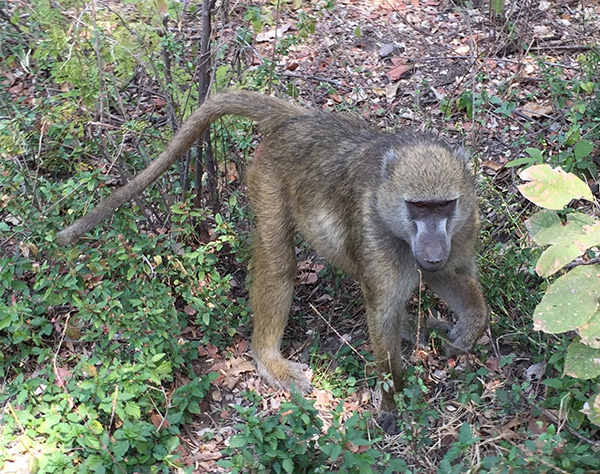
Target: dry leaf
point(270, 34)
point(400, 71)
point(159, 421)
point(162, 7)
point(491, 165)
point(239, 365)
point(62, 375)
point(493, 364)
point(534, 110)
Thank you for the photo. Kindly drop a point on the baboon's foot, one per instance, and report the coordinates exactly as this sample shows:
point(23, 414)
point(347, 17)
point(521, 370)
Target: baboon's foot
point(282, 373)
point(415, 338)
point(439, 325)
point(388, 421)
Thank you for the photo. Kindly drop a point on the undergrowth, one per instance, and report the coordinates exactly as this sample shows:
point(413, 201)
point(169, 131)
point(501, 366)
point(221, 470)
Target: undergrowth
point(100, 341)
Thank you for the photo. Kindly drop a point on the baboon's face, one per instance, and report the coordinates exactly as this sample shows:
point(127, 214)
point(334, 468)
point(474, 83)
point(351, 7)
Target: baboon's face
point(424, 199)
point(430, 237)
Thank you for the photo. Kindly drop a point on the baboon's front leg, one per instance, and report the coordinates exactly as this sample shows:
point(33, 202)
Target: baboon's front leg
point(464, 295)
point(389, 333)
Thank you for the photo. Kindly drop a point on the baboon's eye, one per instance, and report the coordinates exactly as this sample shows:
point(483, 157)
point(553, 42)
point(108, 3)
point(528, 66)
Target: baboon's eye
point(443, 204)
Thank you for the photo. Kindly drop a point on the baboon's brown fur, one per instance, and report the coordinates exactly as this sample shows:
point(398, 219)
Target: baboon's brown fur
point(381, 206)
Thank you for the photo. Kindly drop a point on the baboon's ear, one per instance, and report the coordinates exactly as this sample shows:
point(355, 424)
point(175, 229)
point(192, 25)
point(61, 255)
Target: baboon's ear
point(464, 153)
point(388, 162)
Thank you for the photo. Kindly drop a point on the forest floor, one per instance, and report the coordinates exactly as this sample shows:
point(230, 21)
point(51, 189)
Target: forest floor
point(395, 62)
point(488, 83)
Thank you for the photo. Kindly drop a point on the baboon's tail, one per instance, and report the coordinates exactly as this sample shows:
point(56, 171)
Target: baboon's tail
point(269, 112)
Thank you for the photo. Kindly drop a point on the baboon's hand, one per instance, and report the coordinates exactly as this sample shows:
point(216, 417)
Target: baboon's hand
point(462, 337)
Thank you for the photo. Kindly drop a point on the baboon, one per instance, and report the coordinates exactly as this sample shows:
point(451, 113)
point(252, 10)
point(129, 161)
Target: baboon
point(381, 206)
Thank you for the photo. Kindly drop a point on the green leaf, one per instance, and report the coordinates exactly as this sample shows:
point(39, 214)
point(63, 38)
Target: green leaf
point(567, 241)
point(288, 465)
point(119, 448)
point(133, 409)
point(571, 302)
point(535, 154)
point(583, 361)
point(95, 463)
point(332, 450)
point(396, 465)
point(519, 162)
point(6, 320)
point(552, 188)
point(237, 441)
point(582, 149)
point(591, 409)
point(465, 435)
point(130, 273)
point(554, 383)
point(542, 227)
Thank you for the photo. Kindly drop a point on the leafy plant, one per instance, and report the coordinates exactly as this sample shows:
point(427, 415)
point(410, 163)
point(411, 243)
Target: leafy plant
point(571, 301)
point(294, 441)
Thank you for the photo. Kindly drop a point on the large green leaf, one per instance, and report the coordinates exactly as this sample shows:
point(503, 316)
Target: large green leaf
point(567, 241)
point(591, 408)
point(571, 303)
point(552, 188)
point(583, 361)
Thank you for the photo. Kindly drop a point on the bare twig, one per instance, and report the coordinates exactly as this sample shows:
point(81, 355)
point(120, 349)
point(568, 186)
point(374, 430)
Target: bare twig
point(310, 76)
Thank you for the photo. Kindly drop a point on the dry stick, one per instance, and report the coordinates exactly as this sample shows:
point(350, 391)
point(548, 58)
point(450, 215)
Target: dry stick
point(203, 144)
point(70, 398)
point(170, 100)
point(405, 21)
point(6, 17)
point(100, 109)
point(379, 374)
point(571, 431)
point(419, 312)
point(274, 47)
point(560, 48)
point(310, 76)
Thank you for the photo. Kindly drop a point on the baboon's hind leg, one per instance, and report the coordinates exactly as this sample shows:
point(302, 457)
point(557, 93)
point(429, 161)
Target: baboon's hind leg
point(274, 271)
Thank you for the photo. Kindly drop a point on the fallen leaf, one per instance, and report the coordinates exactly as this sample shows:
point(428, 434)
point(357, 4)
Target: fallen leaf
point(270, 34)
point(399, 72)
point(242, 347)
point(322, 398)
point(209, 351)
point(534, 110)
point(62, 375)
point(308, 272)
point(491, 165)
point(492, 364)
point(159, 421)
point(239, 365)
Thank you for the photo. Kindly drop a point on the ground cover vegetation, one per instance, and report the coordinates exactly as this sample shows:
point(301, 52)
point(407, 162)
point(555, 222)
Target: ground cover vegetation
point(129, 352)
